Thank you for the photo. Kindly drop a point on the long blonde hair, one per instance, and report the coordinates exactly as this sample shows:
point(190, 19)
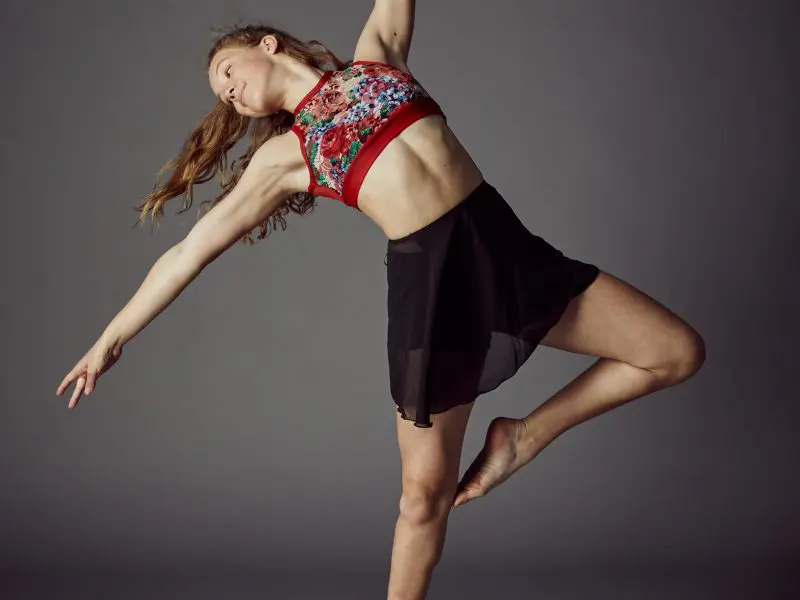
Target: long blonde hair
point(205, 152)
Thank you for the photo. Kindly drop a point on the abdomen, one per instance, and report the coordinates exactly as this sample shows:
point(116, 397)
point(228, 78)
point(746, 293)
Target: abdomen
point(419, 175)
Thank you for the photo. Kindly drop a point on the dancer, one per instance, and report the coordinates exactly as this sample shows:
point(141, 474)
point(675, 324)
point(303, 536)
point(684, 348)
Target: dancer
point(471, 291)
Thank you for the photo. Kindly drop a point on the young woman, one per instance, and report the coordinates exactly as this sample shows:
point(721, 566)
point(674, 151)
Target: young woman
point(471, 291)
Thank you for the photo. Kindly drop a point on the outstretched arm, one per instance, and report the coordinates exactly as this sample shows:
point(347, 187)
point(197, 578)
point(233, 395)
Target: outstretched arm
point(392, 24)
point(259, 191)
point(255, 197)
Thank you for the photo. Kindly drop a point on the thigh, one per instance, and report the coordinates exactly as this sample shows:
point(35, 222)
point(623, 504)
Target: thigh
point(613, 319)
point(431, 456)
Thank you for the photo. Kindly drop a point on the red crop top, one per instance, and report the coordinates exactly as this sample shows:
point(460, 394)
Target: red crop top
point(348, 117)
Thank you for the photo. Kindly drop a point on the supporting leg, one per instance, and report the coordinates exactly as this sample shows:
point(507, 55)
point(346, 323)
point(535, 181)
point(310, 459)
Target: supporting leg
point(430, 463)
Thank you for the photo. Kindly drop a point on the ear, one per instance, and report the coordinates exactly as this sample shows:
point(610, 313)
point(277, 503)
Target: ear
point(269, 43)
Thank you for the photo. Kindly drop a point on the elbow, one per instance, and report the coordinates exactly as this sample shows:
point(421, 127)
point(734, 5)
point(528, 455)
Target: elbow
point(211, 236)
point(193, 257)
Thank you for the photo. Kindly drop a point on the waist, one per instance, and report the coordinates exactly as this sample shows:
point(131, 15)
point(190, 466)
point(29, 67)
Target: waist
point(482, 189)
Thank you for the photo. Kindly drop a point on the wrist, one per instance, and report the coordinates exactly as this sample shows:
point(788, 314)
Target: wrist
point(113, 339)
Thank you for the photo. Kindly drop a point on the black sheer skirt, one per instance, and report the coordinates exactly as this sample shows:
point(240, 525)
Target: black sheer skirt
point(470, 297)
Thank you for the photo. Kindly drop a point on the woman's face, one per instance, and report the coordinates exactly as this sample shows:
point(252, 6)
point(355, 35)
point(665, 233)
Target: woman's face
point(240, 76)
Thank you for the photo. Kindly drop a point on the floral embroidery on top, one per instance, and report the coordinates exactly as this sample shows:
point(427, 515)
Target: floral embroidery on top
point(346, 109)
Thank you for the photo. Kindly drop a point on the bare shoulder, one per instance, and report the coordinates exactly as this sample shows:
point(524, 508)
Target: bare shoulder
point(283, 154)
point(279, 151)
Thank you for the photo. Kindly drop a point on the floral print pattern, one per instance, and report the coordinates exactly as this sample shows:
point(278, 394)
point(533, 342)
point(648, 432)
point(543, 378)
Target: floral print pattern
point(348, 108)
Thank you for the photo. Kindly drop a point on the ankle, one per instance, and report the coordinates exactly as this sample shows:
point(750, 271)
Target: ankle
point(536, 432)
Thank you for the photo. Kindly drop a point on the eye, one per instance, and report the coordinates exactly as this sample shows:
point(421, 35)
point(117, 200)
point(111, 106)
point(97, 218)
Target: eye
point(228, 71)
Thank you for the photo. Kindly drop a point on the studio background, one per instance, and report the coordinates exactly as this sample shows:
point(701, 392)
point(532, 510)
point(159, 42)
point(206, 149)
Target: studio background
point(249, 429)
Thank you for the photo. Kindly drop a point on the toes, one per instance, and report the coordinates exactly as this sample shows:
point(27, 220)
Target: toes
point(466, 495)
point(468, 488)
point(471, 484)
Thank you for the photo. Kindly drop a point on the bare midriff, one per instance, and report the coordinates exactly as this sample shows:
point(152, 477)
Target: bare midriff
point(420, 175)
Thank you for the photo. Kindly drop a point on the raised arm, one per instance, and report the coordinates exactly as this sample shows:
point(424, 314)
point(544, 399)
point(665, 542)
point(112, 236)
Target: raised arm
point(390, 24)
point(259, 191)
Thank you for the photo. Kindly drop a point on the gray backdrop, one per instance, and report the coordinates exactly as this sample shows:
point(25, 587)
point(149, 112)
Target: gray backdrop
point(249, 429)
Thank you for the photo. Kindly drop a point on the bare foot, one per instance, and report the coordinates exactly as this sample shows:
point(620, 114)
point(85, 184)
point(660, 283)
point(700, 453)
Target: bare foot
point(508, 447)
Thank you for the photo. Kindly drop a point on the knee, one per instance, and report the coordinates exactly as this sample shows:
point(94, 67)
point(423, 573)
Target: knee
point(688, 355)
point(422, 502)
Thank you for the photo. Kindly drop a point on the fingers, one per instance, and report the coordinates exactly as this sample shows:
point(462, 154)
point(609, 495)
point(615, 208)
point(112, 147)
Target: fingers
point(90, 378)
point(86, 372)
point(76, 370)
point(83, 384)
point(78, 389)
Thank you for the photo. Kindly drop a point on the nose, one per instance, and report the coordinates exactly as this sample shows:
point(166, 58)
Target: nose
point(232, 93)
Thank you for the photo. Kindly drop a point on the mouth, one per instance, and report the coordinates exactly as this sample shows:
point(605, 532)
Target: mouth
point(241, 94)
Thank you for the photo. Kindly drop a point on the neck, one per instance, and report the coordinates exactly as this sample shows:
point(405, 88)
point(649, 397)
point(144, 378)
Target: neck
point(299, 80)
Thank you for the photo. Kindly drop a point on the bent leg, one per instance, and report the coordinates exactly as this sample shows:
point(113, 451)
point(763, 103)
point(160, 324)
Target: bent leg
point(430, 463)
point(642, 347)
point(613, 319)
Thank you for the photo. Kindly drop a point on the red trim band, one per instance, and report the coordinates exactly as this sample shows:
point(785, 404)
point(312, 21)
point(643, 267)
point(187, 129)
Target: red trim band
point(300, 137)
point(325, 76)
point(397, 121)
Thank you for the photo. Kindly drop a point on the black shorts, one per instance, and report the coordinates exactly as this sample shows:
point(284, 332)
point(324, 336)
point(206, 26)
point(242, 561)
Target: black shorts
point(470, 297)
